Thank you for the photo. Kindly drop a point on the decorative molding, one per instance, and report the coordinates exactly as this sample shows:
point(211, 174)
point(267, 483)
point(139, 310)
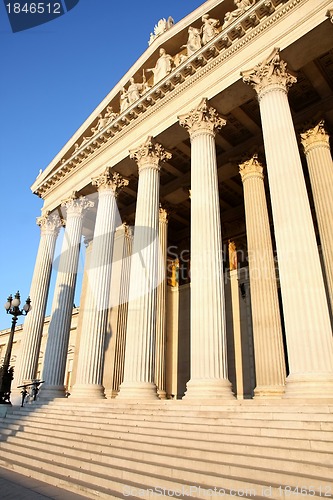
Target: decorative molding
point(203, 118)
point(76, 206)
point(315, 135)
point(251, 168)
point(150, 154)
point(110, 180)
point(49, 223)
point(272, 72)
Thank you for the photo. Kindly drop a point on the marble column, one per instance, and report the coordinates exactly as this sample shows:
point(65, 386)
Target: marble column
point(161, 306)
point(119, 356)
point(94, 326)
point(62, 306)
point(139, 376)
point(50, 225)
point(316, 145)
point(266, 321)
point(209, 373)
point(305, 307)
point(88, 243)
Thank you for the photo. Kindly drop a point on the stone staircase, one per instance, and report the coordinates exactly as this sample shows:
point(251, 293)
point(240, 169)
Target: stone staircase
point(113, 449)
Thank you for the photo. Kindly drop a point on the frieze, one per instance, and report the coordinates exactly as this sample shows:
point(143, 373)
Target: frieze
point(198, 65)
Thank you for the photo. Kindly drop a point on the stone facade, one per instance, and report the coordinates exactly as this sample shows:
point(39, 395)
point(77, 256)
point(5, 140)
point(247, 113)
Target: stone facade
point(224, 122)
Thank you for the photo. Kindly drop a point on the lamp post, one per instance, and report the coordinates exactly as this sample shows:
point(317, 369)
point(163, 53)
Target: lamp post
point(12, 307)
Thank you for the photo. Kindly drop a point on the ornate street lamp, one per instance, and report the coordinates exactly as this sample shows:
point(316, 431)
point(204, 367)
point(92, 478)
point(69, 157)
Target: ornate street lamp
point(12, 307)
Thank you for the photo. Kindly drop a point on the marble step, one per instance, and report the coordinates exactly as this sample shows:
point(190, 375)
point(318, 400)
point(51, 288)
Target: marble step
point(178, 408)
point(177, 437)
point(127, 483)
point(222, 420)
point(319, 464)
point(163, 476)
point(316, 430)
point(188, 448)
point(63, 481)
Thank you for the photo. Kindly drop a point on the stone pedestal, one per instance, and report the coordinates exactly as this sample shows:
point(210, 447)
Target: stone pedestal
point(267, 331)
point(61, 315)
point(91, 356)
point(316, 145)
point(305, 308)
point(33, 325)
point(209, 374)
point(139, 371)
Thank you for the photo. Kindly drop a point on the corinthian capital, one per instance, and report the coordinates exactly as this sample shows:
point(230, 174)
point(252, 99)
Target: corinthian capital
point(251, 168)
point(110, 180)
point(49, 223)
point(315, 135)
point(202, 118)
point(76, 206)
point(150, 154)
point(271, 72)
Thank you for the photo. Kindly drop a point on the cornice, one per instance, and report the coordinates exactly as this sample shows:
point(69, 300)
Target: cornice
point(251, 24)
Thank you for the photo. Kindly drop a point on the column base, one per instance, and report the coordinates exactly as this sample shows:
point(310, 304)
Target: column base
point(309, 385)
point(269, 391)
point(138, 390)
point(87, 391)
point(161, 394)
point(49, 392)
point(208, 389)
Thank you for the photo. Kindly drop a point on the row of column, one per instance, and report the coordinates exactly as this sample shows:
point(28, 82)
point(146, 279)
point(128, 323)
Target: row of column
point(305, 306)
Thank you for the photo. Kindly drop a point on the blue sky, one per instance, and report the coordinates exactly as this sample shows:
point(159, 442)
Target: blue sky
point(52, 77)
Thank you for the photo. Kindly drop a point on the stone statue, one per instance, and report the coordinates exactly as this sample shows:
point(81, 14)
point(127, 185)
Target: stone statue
point(135, 90)
point(124, 102)
point(103, 121)
point(193, 41)
point(160, 28)
point(241, 7)
point(209, 28)
point(233, 264)
point(163, 66)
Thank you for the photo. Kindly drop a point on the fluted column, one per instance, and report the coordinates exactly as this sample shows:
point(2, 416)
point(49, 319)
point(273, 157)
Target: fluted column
point(141, 323)
point(316, 145)
point(62, 306)
point(305, 307)
point(91, 356)
point(209, 373)
point(266, 321)
point(161, 305)
point(33, 326)
point(119, 357)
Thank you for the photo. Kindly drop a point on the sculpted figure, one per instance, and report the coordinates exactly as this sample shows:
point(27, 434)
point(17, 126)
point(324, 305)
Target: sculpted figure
point(193, 41)
point(163, 66)
point(124, 102)
point(209, 28)
point(241, 7)
point(103, 121)
point(135, 90)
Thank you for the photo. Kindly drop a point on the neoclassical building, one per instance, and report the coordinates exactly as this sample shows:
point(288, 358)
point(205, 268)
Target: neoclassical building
point(202, 189)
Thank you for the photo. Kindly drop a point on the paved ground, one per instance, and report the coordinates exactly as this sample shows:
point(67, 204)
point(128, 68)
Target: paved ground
point(14, 486)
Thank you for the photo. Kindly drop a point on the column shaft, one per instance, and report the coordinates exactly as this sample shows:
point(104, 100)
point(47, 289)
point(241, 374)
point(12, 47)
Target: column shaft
point(267, 331)
point(141, 323)
point(58, 334)
point(91, 356)
point(307, 322)
point(320, 166)
point(161, 306)
point(33, 325)
point(209, 375)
